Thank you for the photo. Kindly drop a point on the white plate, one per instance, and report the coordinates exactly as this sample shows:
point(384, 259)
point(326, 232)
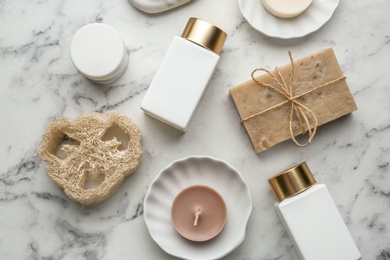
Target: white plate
point(318, 13)
point(186, 172)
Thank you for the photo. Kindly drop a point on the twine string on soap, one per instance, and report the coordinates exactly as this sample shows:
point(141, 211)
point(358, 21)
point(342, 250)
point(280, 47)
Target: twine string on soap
point(298, 110)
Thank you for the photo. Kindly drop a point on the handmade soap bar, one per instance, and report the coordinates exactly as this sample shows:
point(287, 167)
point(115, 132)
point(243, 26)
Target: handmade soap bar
point(318, 85)
point(157, 6)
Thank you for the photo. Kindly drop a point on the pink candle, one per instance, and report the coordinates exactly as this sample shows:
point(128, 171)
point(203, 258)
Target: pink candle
point(198, 213)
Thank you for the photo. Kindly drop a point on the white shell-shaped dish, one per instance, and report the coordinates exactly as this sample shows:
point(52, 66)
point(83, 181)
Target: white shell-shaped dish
point(186, 172)
point(156, 6)
point(318, 13)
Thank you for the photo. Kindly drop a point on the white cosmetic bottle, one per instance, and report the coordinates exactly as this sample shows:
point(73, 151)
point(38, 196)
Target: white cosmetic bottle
point(310, 217)
point(181, 81)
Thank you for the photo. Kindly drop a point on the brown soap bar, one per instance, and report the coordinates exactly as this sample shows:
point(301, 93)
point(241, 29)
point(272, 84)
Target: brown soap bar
point(327, 103)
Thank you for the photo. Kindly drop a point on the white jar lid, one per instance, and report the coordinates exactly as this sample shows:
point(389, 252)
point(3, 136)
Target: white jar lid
point(99, 53)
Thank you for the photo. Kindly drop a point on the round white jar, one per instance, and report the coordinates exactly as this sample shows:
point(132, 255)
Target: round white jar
point(99, 53)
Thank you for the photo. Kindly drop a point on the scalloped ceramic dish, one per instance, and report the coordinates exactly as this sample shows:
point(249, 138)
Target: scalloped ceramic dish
point(186, 172)
point(318, 13)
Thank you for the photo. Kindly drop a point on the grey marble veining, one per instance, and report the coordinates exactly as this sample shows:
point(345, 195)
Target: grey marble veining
point(39, 83)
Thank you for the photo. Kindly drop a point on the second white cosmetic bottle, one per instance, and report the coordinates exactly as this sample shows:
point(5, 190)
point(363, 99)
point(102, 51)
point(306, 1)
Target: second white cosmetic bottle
point(310, 217)
point(181, 81)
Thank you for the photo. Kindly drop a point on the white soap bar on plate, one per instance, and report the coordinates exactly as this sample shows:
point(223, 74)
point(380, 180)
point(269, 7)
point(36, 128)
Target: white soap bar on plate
point(286, 8)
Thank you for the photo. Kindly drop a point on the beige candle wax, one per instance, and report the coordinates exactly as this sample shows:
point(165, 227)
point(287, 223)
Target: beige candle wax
point(198, 213)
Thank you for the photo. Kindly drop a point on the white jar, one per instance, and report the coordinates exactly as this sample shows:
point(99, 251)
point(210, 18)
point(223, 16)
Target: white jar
point(310, 217)
point(180, 83)
point(99, 53)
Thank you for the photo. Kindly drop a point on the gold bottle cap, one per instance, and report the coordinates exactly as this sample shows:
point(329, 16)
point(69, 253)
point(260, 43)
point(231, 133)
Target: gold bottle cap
point(291, 182)
point(204, 34)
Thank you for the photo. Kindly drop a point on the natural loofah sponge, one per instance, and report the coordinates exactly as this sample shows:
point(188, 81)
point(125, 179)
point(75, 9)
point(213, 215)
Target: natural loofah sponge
point(91, 150)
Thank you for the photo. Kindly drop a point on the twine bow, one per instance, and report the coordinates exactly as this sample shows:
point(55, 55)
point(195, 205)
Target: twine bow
point(297, 108)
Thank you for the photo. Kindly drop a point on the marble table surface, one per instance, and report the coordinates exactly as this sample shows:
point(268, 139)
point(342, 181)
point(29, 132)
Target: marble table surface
point(39, 83)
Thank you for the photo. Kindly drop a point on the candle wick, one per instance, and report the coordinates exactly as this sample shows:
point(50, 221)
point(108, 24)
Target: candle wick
point(197, 215)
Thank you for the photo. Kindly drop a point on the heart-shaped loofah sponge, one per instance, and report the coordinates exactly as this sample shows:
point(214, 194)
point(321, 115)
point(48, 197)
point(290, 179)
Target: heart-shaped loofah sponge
point(91, 150)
